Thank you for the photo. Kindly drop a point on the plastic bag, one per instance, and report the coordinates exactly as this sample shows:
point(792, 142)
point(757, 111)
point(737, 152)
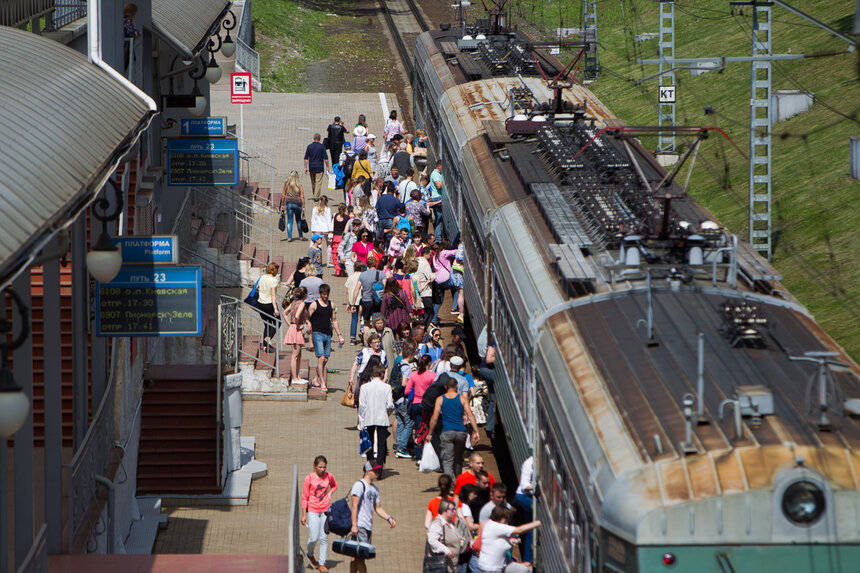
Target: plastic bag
point(429, 460)
point(364, 443)
point(332, 181)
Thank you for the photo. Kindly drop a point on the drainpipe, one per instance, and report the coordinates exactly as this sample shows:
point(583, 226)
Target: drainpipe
point(94, 52)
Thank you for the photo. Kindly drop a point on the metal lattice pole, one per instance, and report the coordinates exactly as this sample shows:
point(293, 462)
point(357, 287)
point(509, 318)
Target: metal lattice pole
point(589, 24)
point(666, 47)
point(760, 140)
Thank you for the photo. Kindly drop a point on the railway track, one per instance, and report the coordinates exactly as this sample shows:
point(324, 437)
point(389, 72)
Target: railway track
point(406, 22)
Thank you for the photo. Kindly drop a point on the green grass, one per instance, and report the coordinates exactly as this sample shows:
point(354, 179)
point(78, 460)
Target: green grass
point(815, 202)
point(316, 46)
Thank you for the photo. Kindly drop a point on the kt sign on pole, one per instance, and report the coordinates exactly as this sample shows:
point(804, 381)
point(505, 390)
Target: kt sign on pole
point(240, 87)
point(667, 94)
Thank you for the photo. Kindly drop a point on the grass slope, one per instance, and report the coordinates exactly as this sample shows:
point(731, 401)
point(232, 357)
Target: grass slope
point(815, 202)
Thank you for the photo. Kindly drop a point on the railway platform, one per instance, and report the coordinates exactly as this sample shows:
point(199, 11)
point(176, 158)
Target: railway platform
point(289, 433)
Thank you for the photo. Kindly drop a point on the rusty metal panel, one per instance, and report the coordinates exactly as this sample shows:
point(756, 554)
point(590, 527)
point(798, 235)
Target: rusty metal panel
point(703, 477)
point(729, 472)
point(673, 482)
point(490, 190)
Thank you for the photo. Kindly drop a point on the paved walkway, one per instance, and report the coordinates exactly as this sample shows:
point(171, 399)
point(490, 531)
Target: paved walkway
point(290, 433)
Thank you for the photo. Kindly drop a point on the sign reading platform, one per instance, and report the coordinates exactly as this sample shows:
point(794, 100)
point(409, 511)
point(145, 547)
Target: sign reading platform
point(150, 301)
point(148, 250)
point(203, 126)
point(202, 162)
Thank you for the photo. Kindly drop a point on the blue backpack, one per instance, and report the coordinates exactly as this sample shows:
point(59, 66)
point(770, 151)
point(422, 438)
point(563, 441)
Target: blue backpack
point(340, 514)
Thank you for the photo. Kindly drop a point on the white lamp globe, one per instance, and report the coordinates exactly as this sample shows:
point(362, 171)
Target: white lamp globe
point(14, 405)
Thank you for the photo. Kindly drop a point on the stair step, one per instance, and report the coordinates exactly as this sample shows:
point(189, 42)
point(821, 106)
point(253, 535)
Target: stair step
point(276, 199)
point(196, 224)
point(187, 398)
point(181, 372)
point(206, 232)
point(284, 367)
point(219, 239)
point(263, 194)
point(158, 438)
point(233, 246)
point(279, 260)
point(246, 253)
point(164, 487)
point(189, 463)
point(261, 259)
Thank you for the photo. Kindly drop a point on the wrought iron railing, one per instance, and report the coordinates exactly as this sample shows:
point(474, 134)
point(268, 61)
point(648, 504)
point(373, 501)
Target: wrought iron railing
point(93, 457)
point(248, 59)
point(16, 13)
point(65, 12)
point(257, 165)
point(239, 322)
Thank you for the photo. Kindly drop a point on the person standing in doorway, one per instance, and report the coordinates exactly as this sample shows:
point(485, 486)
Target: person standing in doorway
point(438, 194)
point(364, 497)
point(316, 500)
point(316, 164)
point(323, 319)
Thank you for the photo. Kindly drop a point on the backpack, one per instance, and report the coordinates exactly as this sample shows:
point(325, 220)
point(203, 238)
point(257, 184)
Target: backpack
point(395, 380)
point(436, 389)
point(376, 290)
point(348, 164)
point(340, 513)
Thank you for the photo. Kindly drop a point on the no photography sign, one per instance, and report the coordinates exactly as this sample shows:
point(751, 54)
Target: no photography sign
point(240, 87)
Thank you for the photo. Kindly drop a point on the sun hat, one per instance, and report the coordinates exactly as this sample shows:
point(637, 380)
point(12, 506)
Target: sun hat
point(359, 131)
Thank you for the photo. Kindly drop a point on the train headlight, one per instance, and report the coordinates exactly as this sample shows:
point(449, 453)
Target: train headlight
point(803, 502)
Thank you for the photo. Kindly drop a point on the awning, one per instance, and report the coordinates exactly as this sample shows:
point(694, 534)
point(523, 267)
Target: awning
point(64, 124)
point(187, 25)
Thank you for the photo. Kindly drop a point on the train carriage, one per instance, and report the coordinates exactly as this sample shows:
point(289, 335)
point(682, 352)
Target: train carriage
point(684, 411)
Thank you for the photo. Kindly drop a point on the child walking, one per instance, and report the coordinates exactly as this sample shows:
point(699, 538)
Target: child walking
point(316, 500)
point(339, 225)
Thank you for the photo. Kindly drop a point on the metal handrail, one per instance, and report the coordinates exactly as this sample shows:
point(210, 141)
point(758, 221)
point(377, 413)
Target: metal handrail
point(251, 155)
point(65, 12)
point(91, 459)
point(295, 558)
point(36, 560)
point(134, 67)
point(248, 59)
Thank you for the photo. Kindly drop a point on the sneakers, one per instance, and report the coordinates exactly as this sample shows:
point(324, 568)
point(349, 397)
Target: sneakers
point(401, 454)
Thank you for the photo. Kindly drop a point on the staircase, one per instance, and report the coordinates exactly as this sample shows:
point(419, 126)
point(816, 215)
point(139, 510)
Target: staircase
point(180, 432)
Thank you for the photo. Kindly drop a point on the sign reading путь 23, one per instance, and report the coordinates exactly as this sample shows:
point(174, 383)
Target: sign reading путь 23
point(150, 301)
point(202, 161)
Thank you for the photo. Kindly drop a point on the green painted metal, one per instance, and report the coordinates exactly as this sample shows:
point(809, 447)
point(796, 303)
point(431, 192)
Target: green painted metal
point(752, 558)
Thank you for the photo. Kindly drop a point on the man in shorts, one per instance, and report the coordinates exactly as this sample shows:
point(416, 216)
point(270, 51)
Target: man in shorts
point(364, 497)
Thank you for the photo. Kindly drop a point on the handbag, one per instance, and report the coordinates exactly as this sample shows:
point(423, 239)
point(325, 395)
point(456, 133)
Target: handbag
point(282, 222)
point(364, 443)
point(348, 399)
point(303, 224)
point(464, 533)
point(253, 298)
point(435, 562)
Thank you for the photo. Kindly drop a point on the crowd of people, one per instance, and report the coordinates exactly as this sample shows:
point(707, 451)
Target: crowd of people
point(387, 237)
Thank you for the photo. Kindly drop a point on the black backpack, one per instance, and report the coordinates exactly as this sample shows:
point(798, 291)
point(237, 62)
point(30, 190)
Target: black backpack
point(436, 389)
point(395, 380)
point(348, 164)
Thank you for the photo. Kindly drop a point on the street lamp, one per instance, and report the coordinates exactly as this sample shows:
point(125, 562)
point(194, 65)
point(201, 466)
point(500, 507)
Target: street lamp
point(228, 48)
point(105, 259)
point(14, 405)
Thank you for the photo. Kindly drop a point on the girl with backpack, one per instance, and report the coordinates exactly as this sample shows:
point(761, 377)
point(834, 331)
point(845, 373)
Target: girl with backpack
point(316, 501)
point(396, 307)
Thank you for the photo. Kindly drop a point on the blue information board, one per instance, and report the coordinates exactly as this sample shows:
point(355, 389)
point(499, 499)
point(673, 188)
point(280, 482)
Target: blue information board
point(202, 161)
point(150, 301)
point(148, 250)
point(203, 126)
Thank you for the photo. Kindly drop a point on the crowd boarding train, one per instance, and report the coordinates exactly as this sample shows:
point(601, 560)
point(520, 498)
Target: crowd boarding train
point(684, 411)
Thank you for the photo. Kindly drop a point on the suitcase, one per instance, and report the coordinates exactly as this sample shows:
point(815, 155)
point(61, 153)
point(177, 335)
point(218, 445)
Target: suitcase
point(353, 548)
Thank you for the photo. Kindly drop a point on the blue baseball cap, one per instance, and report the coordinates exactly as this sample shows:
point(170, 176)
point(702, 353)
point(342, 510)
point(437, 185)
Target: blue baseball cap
point(315, 237)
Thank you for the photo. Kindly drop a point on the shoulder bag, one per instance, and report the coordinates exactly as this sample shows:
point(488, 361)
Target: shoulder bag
point(303, 224)
point(253, 298)
point(435, 562)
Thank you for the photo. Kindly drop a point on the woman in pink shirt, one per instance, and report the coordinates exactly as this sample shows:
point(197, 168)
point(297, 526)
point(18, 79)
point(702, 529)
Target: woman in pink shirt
point(362, 247)
point(418, 383)
point(316, 499)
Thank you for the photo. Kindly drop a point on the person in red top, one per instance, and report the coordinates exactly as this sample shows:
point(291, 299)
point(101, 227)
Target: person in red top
point(444, 483)
point(316, 500)
point(476, 464)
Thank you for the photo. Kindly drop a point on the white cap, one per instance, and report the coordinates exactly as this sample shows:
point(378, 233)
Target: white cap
point(371, 136)
point(457, 360)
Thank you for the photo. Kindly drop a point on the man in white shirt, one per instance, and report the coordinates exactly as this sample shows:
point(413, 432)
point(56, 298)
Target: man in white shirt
point(404, 190)
point(364, 497)
point(525, 499)
point(497, 498)
point(375, 403)
point(496, 542)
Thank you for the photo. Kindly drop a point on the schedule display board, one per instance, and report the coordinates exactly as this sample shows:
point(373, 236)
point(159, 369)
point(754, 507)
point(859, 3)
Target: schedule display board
point(202, 161)
point(150, 301)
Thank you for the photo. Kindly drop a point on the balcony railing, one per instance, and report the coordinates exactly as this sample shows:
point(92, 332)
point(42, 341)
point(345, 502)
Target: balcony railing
point(57, 13)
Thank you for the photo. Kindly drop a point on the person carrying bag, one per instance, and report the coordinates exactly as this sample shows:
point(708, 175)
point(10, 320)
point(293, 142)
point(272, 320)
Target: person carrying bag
point(444, 544)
